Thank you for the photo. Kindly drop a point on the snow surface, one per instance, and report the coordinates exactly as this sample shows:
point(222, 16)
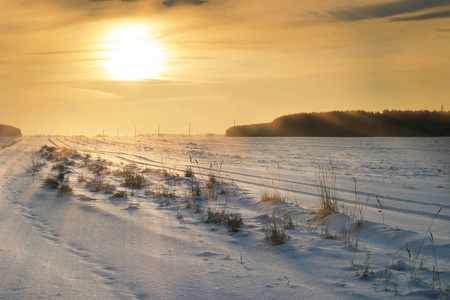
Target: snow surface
point(155, 243)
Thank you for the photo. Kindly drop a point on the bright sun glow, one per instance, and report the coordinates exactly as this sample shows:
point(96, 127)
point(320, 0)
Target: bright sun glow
point(133, 54)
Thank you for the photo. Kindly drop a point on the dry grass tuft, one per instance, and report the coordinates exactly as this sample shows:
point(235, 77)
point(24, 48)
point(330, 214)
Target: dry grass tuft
point(276, 235)
point(271, 196)
point(326, 185)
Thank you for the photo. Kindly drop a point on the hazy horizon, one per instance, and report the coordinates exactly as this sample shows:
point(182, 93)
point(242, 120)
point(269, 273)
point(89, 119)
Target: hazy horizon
point(72, 67)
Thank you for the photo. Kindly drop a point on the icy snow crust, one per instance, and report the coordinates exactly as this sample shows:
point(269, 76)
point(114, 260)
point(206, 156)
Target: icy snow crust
point(155, 244)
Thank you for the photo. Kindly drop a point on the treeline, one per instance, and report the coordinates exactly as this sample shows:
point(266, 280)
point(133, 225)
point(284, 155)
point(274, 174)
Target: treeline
point(392, 123)
point(6, 130)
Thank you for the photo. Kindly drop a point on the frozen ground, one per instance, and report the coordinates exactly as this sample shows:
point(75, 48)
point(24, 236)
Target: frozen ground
point(391, 237)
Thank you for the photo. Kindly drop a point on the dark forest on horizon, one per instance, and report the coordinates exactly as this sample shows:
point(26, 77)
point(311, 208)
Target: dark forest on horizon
point(7, 130)
point(389, 123)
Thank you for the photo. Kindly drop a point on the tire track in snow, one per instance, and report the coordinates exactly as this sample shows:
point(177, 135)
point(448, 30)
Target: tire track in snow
point(182, 167)
point(247, 179)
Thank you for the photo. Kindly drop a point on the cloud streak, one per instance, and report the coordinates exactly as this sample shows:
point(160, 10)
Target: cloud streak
point(68, 52)
point(433, 15)
point(387, 9)
point(167, 3)
point(112, 0)
point(170, 3)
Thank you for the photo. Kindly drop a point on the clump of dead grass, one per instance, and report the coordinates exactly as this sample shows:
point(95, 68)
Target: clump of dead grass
point(326, 185)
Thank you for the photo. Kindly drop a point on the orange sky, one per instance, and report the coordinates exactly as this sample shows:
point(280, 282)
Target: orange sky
point(78, 66)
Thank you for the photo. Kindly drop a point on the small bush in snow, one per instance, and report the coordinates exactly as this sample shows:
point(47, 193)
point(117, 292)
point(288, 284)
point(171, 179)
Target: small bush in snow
point(188, 172)
point(212, 178)
point(47, 152)
point(60, 167)
point(48, 149)
point(99, 169)
point(327, 234)
point(61, 176)
point(168, 173)
point(288, 223)
point(34, 164)
point(98, 184)
point(136, 181)
point(163, 191)
point(52, 182)
point(82, 178)
point(196, 190)
point(222, 217)
point(216, 216)
point(65, 188)
point(210, 191)
point(234, 222)
point(276, 235)
point(121, 194)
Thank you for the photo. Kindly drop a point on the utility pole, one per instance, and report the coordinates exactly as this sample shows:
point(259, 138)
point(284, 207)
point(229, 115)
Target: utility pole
point(158, 130)
point(234, 128)
point(103, 132)
point(189, 129)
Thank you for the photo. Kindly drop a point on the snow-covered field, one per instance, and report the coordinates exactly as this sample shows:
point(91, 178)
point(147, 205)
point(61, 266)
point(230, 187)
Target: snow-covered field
point(107, 240)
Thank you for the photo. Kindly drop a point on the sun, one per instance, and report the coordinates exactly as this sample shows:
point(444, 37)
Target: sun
point(131, 53)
